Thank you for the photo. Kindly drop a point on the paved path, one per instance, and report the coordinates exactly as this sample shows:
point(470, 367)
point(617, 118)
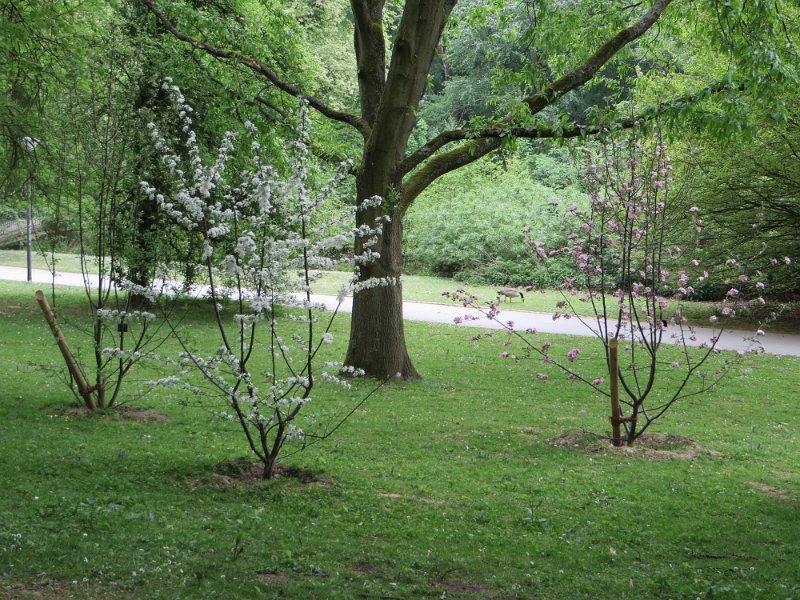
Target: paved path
point(773, 343)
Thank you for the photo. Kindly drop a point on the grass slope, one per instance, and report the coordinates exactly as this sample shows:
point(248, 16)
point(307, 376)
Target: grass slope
point(442, 488)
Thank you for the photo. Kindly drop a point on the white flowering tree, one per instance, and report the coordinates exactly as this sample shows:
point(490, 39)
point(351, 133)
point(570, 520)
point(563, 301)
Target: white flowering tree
point(264, 237)
point(626, 264)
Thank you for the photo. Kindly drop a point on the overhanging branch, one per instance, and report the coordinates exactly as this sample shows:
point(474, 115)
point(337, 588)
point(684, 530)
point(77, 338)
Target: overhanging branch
point(548, 95)
point(444, 163)
point(262, 69)
point(596, 61)
point(500, 131)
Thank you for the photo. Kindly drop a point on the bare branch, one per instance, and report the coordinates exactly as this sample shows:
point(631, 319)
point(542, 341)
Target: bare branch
point(260, 68)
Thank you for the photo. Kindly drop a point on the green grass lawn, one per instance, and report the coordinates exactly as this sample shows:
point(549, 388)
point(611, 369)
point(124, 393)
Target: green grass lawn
point(443, 488)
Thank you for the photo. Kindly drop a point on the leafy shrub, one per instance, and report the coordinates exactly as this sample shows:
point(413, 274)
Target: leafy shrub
point(469, 225)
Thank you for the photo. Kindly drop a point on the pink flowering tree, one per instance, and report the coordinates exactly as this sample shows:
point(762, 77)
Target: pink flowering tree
point(631, 278)
point(264, 236)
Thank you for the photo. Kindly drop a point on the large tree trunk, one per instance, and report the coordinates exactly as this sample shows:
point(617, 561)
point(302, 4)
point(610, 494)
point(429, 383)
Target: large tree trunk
point(388, 103)
point(377, 340)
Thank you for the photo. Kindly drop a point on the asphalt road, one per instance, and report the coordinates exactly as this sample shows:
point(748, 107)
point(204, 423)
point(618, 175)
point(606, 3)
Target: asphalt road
point(772, 343)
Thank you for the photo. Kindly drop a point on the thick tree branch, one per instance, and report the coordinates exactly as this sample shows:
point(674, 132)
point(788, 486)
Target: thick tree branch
point(370, 47)
point(444, 163)
point(499, 131)
point(549, 95)
point(533, 133)
point(588, 69)
point(261, 69)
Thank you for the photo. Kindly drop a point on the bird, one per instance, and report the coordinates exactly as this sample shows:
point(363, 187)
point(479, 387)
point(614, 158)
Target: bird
point(509, 293)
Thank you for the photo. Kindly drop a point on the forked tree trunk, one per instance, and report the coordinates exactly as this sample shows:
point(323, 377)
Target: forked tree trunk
point(389, 100)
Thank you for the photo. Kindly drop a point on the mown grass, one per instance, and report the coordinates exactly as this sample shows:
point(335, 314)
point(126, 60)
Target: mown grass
point(67, 262)
point(445, 487)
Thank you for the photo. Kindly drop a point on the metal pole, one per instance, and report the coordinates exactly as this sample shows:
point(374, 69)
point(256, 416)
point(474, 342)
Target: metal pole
point(30, 230)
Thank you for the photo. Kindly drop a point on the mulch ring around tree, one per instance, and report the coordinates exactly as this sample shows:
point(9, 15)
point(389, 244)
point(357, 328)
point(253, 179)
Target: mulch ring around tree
point(653, 446)
point(244, 470)
point(133, 414)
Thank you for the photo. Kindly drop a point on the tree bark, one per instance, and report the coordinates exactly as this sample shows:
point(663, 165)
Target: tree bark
point(377, 337)
point(377, 340)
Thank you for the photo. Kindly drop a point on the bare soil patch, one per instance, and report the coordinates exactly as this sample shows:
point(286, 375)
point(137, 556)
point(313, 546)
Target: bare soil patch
point(244, 470)
point(273, 578)
point(653, 446)
point(771, 491)
point(133, 414)
point(58, 590)
point(366, 569)
point(461, 587)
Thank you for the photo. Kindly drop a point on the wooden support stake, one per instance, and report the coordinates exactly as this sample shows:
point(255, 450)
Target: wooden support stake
point(616, 413)
point(83, 388)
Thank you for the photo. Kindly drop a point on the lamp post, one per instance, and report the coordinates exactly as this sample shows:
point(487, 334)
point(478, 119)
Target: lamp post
point(30, 143)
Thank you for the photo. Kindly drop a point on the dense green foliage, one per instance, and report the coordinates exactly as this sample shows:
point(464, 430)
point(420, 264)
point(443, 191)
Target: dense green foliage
point(750, 193)
point(469, 225)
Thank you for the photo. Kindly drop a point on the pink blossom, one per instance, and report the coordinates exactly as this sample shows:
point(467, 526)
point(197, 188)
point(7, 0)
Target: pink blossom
point(713, 318)
point(694, 209)
point(598, 381)
point(743, 278)
point(572, 354)
point(675, 364)
point(541, 376)
point(733, 292)
point(787, 260)
point(504, 355)
point(760, 285)
point(761, 300)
